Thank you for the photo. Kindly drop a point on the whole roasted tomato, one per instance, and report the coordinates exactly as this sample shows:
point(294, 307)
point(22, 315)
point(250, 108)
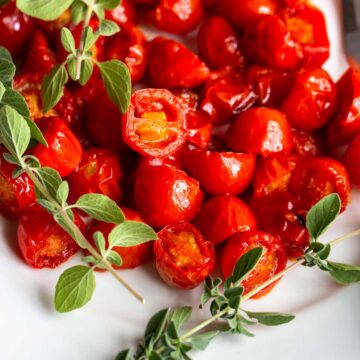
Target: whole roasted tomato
point(279, 214)
point(154, 124)
point(183, 257)
point(309, 143)
point(352, 160)
point(15, 194)
point(173, 65)
point(172, 160)
point(218, 43)
point(165, 195)
point(312, 100)
point(123, 14)
point(317, 177)
point(42, 242)
point(132, 256)
point(260, 131)
point(63, 152)
point(220, 172)
point(223, 216)
point(15, 27)
point(177, 16)
point(99, 172)
point(272, 261)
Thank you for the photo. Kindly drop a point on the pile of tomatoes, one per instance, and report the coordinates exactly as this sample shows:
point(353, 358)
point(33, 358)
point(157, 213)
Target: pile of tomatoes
point(222, 149)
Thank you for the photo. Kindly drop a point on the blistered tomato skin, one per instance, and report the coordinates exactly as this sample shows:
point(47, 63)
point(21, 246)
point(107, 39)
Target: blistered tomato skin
point(223, 216)
point(165, 195)
point(43, 243)
point(312, 100)
point(123, 14)
point(352, 161)
point(272, 261)
point(63, 152)
point(261, 131)
point(220, 172)
point(99, 172)
point(183, 257)
point(315, 178)
point(154, 124)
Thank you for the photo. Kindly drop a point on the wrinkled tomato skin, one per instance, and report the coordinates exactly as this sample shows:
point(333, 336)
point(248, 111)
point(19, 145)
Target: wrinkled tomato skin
point(308, 143)
point(272, 261)
point(183, 257)
point(347, 121)
point(312, 101)
point(177, 16)
point(130, 46)
point(15, 194)
point(317, 177)
point(63, 152)
point(43, 243)
point(219, 44)
point(279, 214)
point(123, 14)
point(164, 196)
point(132, 256)
point(267, 42)
point(352, 160)
point(223, 216)
point(261, 131)
point(171, 65)
point(220, 173)
point(15, 27)
point(154, 124)
point(99, 172)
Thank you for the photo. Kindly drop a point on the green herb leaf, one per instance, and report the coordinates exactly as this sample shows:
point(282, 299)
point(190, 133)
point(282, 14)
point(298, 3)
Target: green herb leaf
point(107, 4)
point(271, 318)
point(114, 258)
point(156, 324)
point(246, 264)
point(16, 101)
point(7, 70)
point(10, 159)
point(50, 179)
point(71, 66)
point(107, 28)
point(99, 241)
point(2, 90)
point(89, 38)
point(67, 40)
point(47, 205)
point(124, 355)
point(62, 193)
point(5, 54)
point(89, 259)
point(78, 11)
point(86, 71)
point(36, 133)
point(201, 342)
point(344, 274)
point(180, 316)
point(74, 288)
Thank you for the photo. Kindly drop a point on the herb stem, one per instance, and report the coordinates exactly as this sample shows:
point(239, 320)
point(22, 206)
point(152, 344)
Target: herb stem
point(345, 237)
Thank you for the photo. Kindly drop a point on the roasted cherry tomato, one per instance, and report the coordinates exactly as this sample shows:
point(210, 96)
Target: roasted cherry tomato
point(63, 152)
point(219, 44)
point(352, 160)
point(15, 194)
point(99, 172)
point(183, 257)
point(15, 27)
point(132, 256)
point(272, 261)
point(224, 216)
point(308, 143)
point(279, 214)
point(165, 195)
point(177, 16)
point(154, 123)
point(220, 172)
point(42, 241)
point(52, 28)
point(312, 100)
point(315, 178)
point(260, 131)
point(173, 65)
point(172, 160)
point(123, 14)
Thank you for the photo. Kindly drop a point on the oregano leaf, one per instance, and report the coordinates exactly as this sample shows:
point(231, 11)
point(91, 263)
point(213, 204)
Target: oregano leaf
point(270, 318)
point(201, 342)
point(47, 205)
point(107, 28)
point(86, 71)
point(114, 258)
point(156, 324)
point(50, 179)
point(78, 11)
point(107, 4)
point(68, 41)
point(16, 101)
point(89, 38)
point(246, 264)
point(180, 316)
point(7, 70)
point(5, 54)
point(62, 193)
point(71, 66)
point(35, 132)
point(2, 90)
point(124, 355)
point(99, 242)
point(344, 274)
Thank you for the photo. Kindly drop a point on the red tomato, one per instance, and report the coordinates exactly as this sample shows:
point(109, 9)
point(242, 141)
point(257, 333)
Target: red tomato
point(177, 16)
point(269, 43)
point(223, 216)
point(123, 14)
point(173, 65)
point(63, 152)
point(272, 261)
point(132, 256)
point(15, 194)
point(315, 178)
point(218, 43)
point(42, 241)
point(308, 143)
point(154, 123)
point(173, 160)
point(312, 101)
point(98, 172)
point(352, 160)
point(279, 214)
point(347, 121)
point(183, 257)
point(165, 195)
point(220, 172)
point(52, 28)
point(260, 131)
point(130, 46)
point(15, 27)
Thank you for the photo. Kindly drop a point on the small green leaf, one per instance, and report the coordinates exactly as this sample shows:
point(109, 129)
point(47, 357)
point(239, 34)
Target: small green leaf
point(47, 205)
point(270, 319)
point(180, 316)
point(78, 11)
point(5, 54)
point(50, 179)
point(324, 253)
point(7, 70)
point(71, 66)
point(232, 292)
point(67, 40)
point(2, 90)
point(107, 4)
point(16, 101)
point(10, 159)
point(124, 355)
point(17, 172)
point(36, 133)
point(86, 71)
point(74, 289)
point(32, 161)
point(89, 259)
point(62, 193)
point(114, 258)
point(156, 324)
point(344, 274)
point(107, 28)
point(99, 241)
point(322, 214)
point(246, 264)
point(100, 207)
point(201, 342)
point(89, 38)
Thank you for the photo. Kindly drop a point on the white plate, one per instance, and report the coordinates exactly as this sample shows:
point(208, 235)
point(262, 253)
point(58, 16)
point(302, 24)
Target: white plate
point(328, 317)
